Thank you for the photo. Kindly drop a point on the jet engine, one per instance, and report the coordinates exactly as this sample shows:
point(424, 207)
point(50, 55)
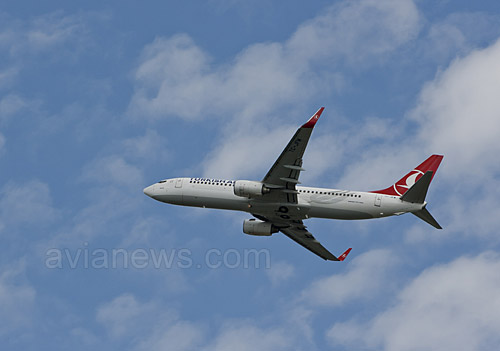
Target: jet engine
point(258, 228)
point(249, 188)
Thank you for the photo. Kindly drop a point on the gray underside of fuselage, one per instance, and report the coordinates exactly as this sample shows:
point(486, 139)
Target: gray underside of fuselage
point(242, 205)
point(237, 204)
point(333, 213)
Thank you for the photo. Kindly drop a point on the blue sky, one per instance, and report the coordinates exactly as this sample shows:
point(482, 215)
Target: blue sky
point(99, 100)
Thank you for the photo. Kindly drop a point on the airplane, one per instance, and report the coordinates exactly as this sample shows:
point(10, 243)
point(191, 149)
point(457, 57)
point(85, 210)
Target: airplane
point(279, 204)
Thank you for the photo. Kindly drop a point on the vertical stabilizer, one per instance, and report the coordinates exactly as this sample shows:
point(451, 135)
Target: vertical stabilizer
point(416, 194)
point(405, 183)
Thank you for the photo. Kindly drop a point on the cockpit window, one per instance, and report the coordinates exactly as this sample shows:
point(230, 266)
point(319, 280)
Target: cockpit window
point(162, 181)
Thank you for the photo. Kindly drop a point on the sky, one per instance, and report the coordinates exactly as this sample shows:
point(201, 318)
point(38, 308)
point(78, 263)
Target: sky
point(101, 99)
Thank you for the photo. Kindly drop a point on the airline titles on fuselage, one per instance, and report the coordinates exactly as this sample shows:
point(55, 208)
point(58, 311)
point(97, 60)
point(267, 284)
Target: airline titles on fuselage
point(212, 181)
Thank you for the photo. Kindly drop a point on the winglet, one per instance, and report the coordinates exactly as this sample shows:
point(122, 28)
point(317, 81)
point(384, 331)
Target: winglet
point(312, 121)
point(344, 255)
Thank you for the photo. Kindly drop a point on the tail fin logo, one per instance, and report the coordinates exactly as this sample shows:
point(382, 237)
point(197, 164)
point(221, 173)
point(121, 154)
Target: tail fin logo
point(406, 183)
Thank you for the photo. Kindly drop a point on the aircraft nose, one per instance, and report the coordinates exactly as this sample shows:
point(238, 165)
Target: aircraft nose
point(149, 191)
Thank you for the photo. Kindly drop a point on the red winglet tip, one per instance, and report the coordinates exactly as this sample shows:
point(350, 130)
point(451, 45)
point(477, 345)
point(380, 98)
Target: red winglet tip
point(312, 121)
point(344, 255)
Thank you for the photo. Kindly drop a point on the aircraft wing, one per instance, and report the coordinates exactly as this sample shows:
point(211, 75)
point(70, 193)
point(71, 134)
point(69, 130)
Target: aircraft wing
point(297, 231)
point(285, 172)
point(281, 180)
point(303, 237)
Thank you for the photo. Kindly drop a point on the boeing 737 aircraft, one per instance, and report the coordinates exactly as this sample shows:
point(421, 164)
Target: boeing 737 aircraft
point(279, 204)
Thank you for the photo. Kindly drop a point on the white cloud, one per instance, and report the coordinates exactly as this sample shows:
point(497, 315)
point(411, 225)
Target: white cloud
point(246, 336)
point(240, 155)
point(14, 106)
point(113, 170)
point(152, 325)
point(146, 147)
point(123, 314)
point(114, 177)
point(357, 31)
point(148, 325)
point(472, 212)
point(450, 306)
point(2, 144)
point(7, 76)
point(10, 105)
point(177, 78)
point(26, 203)
point(458, 34)
point(361, 153)
point(42, 34)
point(16, 299)
point(279, 272)
point(101, 217)
point(181, 335)
point(84, 336)
point(458, 114)
point(367, 275)
point(170, 78)
point(52, 30)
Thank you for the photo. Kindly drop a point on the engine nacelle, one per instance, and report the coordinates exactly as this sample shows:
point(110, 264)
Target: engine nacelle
point(259, 228)
point(249, 188)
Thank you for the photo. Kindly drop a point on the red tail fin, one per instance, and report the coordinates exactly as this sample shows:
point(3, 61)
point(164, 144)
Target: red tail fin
point(402, 185)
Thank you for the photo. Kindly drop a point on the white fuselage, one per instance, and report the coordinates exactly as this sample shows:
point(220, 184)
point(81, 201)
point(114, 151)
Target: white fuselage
point(312, 202)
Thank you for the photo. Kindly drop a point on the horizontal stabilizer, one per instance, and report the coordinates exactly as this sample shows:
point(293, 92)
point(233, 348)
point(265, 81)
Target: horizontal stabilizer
point(424, 215)
point(418, 191)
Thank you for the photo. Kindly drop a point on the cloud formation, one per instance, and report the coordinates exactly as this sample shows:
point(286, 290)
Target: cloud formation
point(448, 306)
point(455, 115)
point(41, 34)
point(17, 300)
point(28, 203)
point(367, 275)
point(177, 78)
point(147, 325)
